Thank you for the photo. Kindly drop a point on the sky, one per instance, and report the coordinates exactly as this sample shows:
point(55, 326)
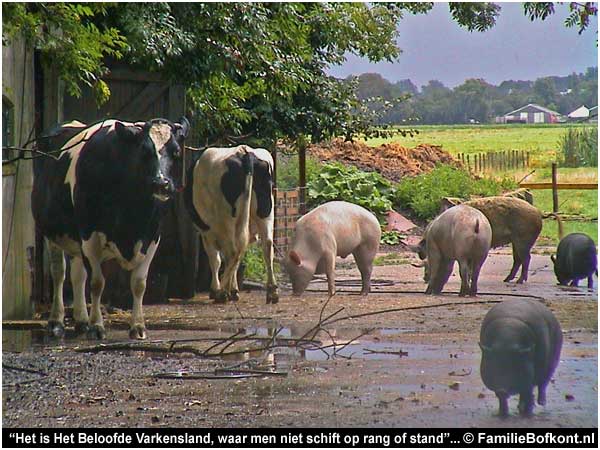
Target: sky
point(434, 47)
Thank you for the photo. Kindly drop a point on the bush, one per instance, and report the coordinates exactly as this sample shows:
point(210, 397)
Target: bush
point(254, 263)
point(423, 193)
point(334, 181)
point(579, 147)
point(287, 170)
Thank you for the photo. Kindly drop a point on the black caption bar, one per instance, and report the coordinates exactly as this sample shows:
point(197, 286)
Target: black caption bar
point(299, 437)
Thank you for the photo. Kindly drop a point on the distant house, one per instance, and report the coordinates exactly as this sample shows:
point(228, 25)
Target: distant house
point(580, 113)
point(531, 113)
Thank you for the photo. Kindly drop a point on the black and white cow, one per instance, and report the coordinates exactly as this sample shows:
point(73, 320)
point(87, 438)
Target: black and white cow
point(229, 194)
point(102, 199)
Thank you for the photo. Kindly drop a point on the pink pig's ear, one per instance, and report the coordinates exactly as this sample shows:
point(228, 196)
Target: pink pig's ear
point(295, 258)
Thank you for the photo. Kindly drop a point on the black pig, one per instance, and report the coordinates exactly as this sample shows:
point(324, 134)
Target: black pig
point(520, 342)
point(576, 258)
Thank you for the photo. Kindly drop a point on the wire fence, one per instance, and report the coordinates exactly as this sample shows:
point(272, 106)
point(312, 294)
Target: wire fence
point(495, 161)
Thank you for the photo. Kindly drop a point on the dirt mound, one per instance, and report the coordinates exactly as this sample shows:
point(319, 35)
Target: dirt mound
point(393, 161)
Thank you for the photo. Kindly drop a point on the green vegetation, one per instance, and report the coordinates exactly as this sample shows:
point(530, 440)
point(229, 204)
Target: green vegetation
point(287, 170)
point(549, 234)
point(579, 147)
point(422, 194)
point(475, 100)
point(255, 266)
point(390, 259)
point(584, 203)
point(541, 140)
point(391, 237)
point(334, 181)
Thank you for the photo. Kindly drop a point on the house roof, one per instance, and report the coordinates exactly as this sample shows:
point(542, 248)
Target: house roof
point(533, 105)
point(582, 111)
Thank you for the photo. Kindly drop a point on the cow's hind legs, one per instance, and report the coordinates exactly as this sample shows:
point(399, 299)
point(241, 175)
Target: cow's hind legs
point(78, 279)
point(56, 320)
point(230, 286)
point(214, 260)
point(265, 232)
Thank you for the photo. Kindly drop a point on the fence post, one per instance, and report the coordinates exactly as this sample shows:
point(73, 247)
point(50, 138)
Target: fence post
point(468, 162)
point(554, 189)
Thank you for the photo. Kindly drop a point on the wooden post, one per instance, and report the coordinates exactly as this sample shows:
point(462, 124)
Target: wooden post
point(528, 160)
point(554, 189)
point(468, 163)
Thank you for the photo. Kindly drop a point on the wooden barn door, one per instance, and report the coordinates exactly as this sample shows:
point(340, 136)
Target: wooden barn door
point(142, 96)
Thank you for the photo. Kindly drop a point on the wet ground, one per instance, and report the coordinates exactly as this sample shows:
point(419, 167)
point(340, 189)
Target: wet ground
point(415, 367)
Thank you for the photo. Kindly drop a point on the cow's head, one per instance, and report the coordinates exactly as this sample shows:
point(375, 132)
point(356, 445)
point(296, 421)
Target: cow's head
point(158, 159)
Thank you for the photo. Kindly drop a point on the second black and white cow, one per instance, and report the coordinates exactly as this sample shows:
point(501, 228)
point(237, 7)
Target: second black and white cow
point(229, 197)
point(102, 199)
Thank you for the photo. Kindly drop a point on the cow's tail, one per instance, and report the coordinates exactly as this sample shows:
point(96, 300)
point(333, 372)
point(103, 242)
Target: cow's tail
point(246, 197)
point(477, 226)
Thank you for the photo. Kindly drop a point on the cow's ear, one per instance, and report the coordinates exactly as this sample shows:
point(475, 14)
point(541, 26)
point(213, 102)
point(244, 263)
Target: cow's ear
point(128, 133)
point(295, 258)
point(183, 127)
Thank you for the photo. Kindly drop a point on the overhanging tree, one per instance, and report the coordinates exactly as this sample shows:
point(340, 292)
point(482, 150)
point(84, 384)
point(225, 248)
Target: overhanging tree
point(254, 68)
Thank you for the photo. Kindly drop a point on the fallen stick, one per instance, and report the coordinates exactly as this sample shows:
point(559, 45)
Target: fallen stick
point(410, 308)
point(400, 353)
point(142, 347)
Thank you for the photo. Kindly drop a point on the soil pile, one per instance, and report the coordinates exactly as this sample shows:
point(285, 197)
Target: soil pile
point(393, 161)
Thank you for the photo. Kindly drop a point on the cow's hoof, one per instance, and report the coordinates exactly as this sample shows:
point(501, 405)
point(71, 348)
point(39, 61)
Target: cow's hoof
point(137, 332)
point(520, 281)
point(96, 332)
point(221, 297)
point(508, 279)
point(212, 295)
point(234, 295)
point(56, 329)
point(81, 328)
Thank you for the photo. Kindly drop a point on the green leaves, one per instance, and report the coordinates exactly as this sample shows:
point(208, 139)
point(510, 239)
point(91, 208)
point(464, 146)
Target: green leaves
point(69, 39)
point(579, 13)
point(338, 182)
point(423, 193)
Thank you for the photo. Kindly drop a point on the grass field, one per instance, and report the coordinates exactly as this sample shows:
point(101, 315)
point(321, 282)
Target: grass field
point(540, 140)
point(570, 202)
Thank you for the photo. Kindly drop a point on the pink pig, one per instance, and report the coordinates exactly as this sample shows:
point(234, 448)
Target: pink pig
point(330, 230)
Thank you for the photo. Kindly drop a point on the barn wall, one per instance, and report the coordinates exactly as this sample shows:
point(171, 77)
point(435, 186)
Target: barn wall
point(17, 181)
